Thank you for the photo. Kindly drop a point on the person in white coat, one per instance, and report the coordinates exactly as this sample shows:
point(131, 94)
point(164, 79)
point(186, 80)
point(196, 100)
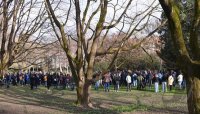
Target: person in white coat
point(170, 82)
point(128, 81)
point(180, 80)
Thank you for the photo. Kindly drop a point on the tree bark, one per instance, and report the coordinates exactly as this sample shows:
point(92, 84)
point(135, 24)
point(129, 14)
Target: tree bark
point(193, 90)
point(3, 70)
point(83, 94)
point(185, 60)
point(1, 73)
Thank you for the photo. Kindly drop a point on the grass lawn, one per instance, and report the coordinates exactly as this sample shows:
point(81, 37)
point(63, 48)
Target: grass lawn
point(22, 100)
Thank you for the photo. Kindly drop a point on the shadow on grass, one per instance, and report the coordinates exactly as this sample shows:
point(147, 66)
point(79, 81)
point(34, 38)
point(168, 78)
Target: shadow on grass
point(63, 100)
point(24, 96)
point(138, 106)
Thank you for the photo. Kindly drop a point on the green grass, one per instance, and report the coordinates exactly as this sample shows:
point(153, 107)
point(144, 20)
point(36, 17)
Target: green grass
point(175, 90)
point(60, 101)
point(131, 108)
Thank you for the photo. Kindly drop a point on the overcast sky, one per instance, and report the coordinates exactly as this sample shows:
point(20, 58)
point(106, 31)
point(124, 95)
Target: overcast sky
point(136, 7)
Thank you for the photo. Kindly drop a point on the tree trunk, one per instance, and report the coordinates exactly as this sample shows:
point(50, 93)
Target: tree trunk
point(193, 90)
point(83, 94)
point(1, 73)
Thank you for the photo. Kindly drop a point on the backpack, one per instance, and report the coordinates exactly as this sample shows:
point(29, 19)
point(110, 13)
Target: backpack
point(116, 77)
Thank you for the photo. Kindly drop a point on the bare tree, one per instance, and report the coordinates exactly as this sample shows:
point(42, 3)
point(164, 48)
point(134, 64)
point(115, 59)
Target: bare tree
point(188, 56)
point(93, 26)
point(20, 24)
point(41, 54)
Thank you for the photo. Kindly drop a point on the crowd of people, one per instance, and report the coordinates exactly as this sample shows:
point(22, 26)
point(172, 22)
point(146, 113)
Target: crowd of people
point(138, 79)
point(142, 79)
point(35, 79)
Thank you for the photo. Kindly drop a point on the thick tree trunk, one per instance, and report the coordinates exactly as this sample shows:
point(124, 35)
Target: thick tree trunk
point(193, 90)
point(83, 94)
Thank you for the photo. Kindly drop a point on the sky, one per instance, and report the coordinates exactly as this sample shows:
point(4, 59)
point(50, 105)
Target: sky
point(136, 7)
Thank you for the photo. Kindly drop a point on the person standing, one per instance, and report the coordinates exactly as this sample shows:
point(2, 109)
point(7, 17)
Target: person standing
point(123, 77)
point(156, 83)
point(49, 81)
point(140, 79)
point(64, 81)
point(21, 79)
point(7, 76)
point(45, 80)
point(28, 78)
point(36, 80)
point(32, 81)
point(107, 80)
point(14, 79)
point(97, 84)
point(180, 80)
point(128, 81)
point(134, 78)
point(149, 79)
point(117, 77)
point(164, 82)
point(170, 82)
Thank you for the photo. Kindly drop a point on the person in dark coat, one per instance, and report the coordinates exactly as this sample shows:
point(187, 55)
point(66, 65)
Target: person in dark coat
point(14, 79)
point(116, 78)
point(32, 81)
point(123, 77)
point(7, 80)
point(164, 82)
point(49, 80)
point(37, 80)
point(64, 81)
